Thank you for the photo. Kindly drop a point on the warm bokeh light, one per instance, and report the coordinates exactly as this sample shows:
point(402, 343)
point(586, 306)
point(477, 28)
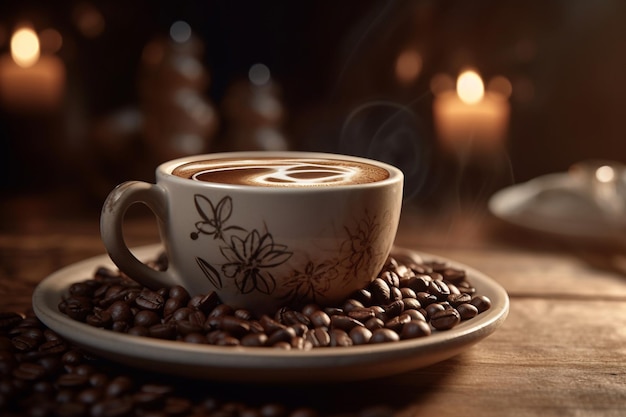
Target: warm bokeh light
point(88, 19)
point(470, 87)
point(180, 31)
point(441, 83)
point(605, 174)
point(259, 74)
point(408, 66)
point(51, 41)
point(501, 85)
point(25, 47)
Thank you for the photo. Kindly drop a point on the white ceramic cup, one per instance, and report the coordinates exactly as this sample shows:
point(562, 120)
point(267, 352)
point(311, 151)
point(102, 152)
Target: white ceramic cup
point(261, 247)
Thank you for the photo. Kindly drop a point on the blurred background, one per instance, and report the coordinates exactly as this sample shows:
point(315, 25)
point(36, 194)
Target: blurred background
point(94, 93)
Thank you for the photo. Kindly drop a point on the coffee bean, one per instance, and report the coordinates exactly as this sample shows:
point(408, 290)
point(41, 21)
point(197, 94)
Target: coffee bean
point(414, 329)
point(319, 318)
point(380, 290)
point(146, 318)
point(384, 335)
point(360, 335)
point(467, 311)
point(29, 371)
point(150, 300)
point(344, 322)
point(458, 299)
point(445, 319)
point(318, 337)
point(481, 302)
point(339, 338)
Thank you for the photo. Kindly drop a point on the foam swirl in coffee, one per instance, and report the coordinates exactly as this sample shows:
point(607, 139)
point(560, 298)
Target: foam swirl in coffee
point(282, 172)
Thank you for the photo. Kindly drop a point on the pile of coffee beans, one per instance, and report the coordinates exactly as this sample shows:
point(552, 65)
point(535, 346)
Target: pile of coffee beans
point(407, 300)
point(41, 374)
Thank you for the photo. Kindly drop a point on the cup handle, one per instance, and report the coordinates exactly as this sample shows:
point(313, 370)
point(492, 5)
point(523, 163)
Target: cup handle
point(112, 219)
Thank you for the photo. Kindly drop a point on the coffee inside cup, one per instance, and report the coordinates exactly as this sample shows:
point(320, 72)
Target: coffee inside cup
point(282, 172)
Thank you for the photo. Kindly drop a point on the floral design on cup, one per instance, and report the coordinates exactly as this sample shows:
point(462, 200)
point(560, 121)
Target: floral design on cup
point(249, 260)
point(354, 255)
point(250, 256)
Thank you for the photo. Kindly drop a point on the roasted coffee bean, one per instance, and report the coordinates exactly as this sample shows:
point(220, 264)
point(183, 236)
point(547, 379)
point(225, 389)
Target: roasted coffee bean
point(179, 293)
point(439, 289)
point(318, 337)
point(99, 318)
point(120, 311)
point(281, 335)
point(458, 299)
point(78, 308)
point(82, 289)
point(344, 322)
point(414, 329)
point(363, 295)
point(243, 314)
point(254, 339)
point(197, 338)
point(72, 380)
point(453, 275)
point(360, 335)
point(138, 331)
point(146, 318)
point(426, 298)
point(481, 302)
point(391, 278)
point(445, 319)
point(431, 309)
point(418, 283)
point(172, 305)
point(407, 293)
point(235, 326)
point(270, 325)
point(394, 309)
point(185, 327)
point(9, 320)
point(339, 338)
point(415, 315)
point(25, 342)
point(29, 371)
point(380, 290)
point(150, 300)
point(119, 386)
point(116, 407)
point(351, 304)
point(398, 322)
point(467, 311)
point(374, 323)
point(53, 347)
point(362, 314)
point(384, 335)
point(163, 331)
point(319, 318)
point(289, 317)
point(208, 303)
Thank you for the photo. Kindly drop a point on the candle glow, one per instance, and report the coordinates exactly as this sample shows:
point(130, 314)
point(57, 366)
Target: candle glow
point(470, 118)
point(29, 80)
point(25, 47)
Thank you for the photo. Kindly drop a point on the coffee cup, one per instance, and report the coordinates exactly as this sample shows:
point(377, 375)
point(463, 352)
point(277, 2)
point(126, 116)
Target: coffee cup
point(263, 229)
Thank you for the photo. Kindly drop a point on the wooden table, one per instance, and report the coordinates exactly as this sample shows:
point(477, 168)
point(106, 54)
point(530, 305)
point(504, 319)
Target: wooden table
point(561, 351)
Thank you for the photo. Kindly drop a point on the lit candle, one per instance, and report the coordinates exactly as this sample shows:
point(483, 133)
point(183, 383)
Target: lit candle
point(29, 80)
point(471, 118)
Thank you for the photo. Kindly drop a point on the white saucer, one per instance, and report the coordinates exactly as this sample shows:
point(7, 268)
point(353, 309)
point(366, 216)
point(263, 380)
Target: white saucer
point(264, 364)
point(555, 204)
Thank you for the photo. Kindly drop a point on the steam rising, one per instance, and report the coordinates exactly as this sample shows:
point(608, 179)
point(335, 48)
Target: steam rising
point(391, 133)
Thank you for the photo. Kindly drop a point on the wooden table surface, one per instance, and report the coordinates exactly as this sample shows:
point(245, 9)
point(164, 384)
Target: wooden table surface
point(561, 351)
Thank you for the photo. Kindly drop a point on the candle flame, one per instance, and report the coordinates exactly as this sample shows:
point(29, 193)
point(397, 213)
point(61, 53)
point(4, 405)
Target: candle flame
point(25, 47)
point(470, 87)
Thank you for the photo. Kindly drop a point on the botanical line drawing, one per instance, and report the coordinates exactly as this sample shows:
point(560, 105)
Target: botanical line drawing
point(250, 256)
